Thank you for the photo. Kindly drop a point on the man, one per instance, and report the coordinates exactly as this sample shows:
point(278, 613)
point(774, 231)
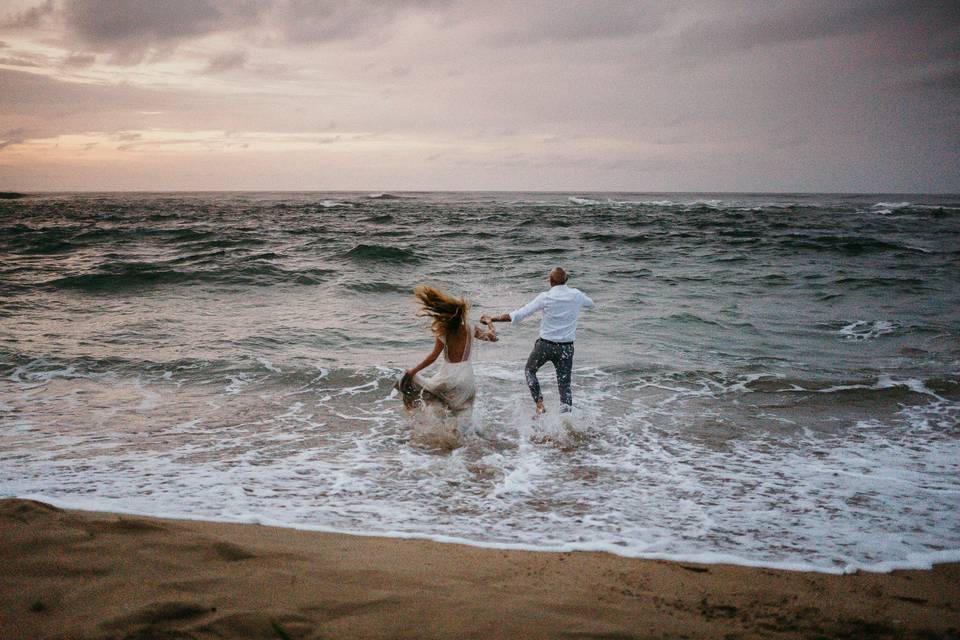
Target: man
point(558, 327)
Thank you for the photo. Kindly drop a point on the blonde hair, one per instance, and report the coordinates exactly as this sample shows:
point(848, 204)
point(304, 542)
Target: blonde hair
point(447, 313)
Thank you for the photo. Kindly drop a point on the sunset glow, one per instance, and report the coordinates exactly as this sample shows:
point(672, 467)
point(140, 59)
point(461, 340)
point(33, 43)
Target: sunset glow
point(215, 94)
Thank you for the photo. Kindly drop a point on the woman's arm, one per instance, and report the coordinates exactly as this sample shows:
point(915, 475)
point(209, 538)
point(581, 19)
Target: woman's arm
point(489, 335)
point(429, 360)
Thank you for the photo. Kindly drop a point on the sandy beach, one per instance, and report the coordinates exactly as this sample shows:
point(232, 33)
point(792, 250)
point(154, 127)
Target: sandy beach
point(69, 574)
point(675, 284)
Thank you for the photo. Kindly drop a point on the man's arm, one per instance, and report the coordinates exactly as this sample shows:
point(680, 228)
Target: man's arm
point(585, 301)
point(522, 313)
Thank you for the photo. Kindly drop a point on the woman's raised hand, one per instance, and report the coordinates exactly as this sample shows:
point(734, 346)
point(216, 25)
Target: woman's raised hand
point(489, 335)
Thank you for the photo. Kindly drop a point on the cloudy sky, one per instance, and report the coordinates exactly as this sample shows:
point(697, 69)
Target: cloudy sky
point(660, 95)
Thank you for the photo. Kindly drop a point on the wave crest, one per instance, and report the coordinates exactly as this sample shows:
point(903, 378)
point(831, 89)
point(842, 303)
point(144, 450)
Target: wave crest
point(382, 253)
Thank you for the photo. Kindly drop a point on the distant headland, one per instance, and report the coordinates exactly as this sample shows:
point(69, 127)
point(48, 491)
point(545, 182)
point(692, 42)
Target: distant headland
point(11, 195)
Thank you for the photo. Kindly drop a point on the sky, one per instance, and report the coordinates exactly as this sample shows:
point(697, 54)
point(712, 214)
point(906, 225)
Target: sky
point(661, 95)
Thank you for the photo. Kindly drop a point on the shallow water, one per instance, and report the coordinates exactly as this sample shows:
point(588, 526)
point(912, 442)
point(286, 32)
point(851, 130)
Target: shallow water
point(768, 379)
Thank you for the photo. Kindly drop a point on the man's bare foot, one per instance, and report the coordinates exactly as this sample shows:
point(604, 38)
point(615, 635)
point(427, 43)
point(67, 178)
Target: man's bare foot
point(540, 410)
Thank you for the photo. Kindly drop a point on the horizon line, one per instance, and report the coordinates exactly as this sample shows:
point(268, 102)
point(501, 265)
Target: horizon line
point(552, 191)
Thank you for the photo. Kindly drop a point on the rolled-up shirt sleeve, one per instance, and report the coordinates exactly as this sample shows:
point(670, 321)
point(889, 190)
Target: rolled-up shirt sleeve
point(585, 301)
point(518, 316)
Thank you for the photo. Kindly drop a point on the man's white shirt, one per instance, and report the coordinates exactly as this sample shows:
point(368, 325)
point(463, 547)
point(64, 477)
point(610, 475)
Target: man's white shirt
point(561, 308)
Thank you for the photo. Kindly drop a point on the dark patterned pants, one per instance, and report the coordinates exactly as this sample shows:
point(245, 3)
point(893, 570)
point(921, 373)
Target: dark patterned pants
point(561, 355)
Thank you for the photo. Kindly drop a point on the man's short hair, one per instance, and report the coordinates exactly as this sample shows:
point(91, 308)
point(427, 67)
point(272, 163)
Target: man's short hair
point(558, 275)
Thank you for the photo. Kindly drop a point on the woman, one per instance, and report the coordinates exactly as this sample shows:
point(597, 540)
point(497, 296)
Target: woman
point(452, 387)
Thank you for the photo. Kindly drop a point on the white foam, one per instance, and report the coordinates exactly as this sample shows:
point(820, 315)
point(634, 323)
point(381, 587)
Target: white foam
point(637, 470)
point(913, 561)
point(862, 330)
point(709, 203)
point(583, 201)
point(892, 205)
point(935, 207)
point(269, 365)
point(360, 388)
point(235, 384)
point(36, 372)
point(150, 400)
point(883, 382)
point(652, 203)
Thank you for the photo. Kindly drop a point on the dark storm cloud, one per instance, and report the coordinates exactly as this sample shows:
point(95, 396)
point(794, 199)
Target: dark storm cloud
point(129, 29)
point(898, 30)
point(903, 30)
point(549, 21)
point(947, 79)
point(28, 18)
point(303, 21)
point(117, 22)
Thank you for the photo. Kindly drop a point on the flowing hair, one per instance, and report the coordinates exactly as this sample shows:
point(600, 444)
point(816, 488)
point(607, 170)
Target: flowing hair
point(447, 313)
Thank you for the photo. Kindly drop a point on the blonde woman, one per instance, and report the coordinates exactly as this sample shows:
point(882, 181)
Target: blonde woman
point(452, 386)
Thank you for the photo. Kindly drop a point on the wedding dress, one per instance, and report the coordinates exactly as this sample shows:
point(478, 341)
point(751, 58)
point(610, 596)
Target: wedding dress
point(452, 386)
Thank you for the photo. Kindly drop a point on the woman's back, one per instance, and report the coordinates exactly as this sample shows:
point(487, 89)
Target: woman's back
point(456, 347)
point(451, 386)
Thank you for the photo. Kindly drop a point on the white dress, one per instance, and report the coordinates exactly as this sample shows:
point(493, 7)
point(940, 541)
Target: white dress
point(451, 390)
point(453, 384)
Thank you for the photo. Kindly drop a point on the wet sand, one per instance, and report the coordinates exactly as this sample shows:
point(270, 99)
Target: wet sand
point(70, 574)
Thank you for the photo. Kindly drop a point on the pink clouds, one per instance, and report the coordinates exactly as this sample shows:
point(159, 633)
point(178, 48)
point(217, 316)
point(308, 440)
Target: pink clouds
point(607, 95)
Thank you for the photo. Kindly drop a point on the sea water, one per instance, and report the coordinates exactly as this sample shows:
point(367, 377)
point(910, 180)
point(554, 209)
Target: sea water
point(766, 380)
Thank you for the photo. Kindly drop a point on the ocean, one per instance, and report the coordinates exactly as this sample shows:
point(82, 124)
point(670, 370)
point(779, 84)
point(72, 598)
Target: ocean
point(767, 379)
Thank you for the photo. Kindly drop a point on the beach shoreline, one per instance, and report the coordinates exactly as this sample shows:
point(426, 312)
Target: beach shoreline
point(74, 574)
